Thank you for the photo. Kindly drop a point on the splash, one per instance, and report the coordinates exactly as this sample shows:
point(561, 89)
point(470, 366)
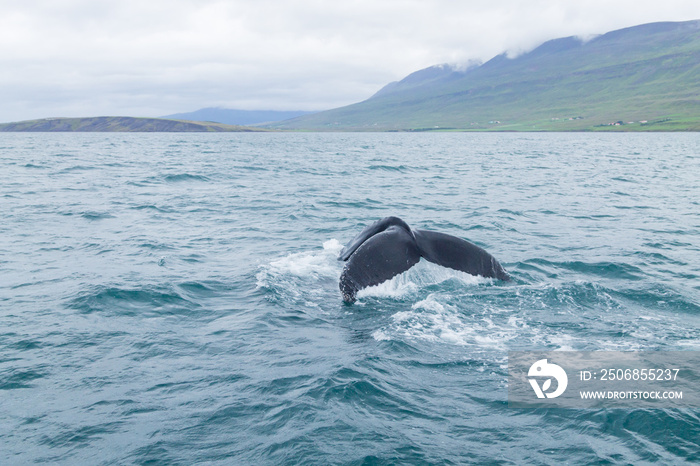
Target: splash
point(423, 275)
point(308, 265)
point(439, 319)
point(312, 277)
point(307, 278)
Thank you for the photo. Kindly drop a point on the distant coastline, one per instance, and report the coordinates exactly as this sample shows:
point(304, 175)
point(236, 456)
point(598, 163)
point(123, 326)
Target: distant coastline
point(163, 125)
point(121, 125)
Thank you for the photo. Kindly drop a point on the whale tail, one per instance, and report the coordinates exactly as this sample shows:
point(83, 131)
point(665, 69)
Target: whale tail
point(389, 247)
point(458, 254)
point(369, 231)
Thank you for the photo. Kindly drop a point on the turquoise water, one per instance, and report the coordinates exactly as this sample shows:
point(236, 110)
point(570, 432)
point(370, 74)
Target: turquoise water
point(173, 298)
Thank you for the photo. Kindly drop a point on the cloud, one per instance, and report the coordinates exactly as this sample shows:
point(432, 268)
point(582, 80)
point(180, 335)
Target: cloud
point(149, 58)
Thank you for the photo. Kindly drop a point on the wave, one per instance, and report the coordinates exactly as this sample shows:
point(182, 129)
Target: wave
point(607, 270)
point(184, 177)
point(390, 168)
point(146, 301)
point(152, 207)
point(91, 215)
point(21, 378)
point(78, 168)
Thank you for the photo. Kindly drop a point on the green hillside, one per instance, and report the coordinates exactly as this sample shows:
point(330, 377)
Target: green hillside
point(119, 124)
point(643, 78)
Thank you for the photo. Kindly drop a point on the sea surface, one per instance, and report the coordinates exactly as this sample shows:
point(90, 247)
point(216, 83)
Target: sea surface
point(173, 298)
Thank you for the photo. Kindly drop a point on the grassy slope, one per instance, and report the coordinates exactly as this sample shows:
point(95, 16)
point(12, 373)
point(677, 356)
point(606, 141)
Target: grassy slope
point(649, 72)
point(119, 124)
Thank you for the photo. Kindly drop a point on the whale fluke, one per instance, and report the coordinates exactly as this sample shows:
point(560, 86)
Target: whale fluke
point(389, 247)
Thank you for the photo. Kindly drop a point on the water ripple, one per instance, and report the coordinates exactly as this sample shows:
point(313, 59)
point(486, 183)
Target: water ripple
point(173, 298)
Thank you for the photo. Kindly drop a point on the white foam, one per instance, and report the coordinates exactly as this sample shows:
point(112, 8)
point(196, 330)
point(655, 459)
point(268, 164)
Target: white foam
point(434, 319)
point(429, 304)
point(394, 288)
point(379, 335)
point(422, 275)
point(333, 246)
point(689, 343)
point(313, 265)
point(564, 341)
point(517, 322)
point(302, 264)
point(649, 318)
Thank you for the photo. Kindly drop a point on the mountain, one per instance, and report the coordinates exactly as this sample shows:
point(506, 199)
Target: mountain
point(236, 117)
point(433, 76)
point(640, 78)
point(118, 124)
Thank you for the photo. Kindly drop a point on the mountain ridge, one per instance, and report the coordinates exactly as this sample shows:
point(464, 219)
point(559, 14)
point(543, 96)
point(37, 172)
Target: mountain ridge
point(647, 74)
point(119, 124)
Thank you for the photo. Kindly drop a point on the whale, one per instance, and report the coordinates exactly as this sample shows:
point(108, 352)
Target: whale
point(389, 247)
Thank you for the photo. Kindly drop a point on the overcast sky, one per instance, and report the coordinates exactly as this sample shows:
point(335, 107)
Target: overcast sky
point(155, 57)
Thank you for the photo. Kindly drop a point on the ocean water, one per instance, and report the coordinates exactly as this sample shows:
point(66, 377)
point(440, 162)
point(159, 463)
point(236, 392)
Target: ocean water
point(173, 298)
